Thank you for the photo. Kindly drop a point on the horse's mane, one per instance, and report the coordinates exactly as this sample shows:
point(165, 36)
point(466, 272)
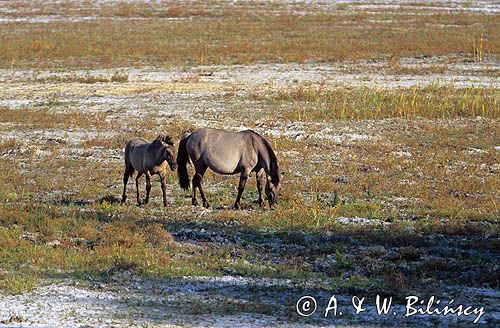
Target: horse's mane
point(273, 165)
point(166, 139)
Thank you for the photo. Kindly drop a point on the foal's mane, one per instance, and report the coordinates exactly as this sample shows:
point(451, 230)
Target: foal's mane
point(273, 165)
point(166, 139)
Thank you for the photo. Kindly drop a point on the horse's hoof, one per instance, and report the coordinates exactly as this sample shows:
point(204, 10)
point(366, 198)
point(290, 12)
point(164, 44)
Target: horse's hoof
point(237, 206)
point(206, 205)
point(194, 203)
point(139, 204)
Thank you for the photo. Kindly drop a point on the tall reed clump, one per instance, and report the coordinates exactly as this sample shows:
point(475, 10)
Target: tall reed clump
point(478, 50)
point(433, 101)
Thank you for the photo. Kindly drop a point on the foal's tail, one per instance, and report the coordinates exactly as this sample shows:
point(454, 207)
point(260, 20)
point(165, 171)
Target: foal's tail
point(182, 161)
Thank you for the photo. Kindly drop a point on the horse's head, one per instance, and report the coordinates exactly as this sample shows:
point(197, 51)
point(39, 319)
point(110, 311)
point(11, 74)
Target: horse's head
point(169, 152)
point(272, 190)
point(273, 175)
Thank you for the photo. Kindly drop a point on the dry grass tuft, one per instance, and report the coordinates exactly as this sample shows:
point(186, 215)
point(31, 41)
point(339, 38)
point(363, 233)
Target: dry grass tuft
point(47, 118)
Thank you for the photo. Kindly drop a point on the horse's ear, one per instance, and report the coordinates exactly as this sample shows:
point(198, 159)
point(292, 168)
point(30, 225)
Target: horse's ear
point(168, 140)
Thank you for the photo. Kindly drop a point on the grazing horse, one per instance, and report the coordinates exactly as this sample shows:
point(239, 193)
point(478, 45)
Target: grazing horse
point(228, 152)
point(148, 158)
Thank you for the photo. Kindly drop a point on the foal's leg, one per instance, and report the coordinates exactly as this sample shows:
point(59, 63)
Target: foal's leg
point(241, 187)
point(137, 187)
point(148, 187)
point(258, 176)
point(163, 189)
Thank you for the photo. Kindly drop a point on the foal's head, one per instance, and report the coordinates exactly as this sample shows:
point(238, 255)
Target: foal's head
point(169, 153)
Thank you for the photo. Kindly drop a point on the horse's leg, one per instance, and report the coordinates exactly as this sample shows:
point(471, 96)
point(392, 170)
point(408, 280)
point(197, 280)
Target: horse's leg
point(126, 175)
point(258, 176)
point(137, 188)
point(163, 189)
point(194, 202)
point(200, 168)
point(241, 187)
point(202, 193)
point(148, 187)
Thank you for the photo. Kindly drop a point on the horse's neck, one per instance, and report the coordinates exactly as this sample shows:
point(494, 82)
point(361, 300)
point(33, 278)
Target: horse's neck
point(265, 159)
point(269, 162)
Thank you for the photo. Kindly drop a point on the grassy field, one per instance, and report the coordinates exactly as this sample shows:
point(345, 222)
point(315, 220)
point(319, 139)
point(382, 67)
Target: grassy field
point(436, 178)
point(387, 191)
point(194, 34)
point(318, 103)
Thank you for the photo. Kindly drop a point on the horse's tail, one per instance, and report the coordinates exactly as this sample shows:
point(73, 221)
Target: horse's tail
point(182, 161)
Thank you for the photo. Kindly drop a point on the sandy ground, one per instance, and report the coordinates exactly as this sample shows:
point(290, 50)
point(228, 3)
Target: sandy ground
point(134, 302)
point(425, 7)
point(193, 92)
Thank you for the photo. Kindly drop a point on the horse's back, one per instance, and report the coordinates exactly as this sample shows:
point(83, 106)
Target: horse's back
point(225, 152)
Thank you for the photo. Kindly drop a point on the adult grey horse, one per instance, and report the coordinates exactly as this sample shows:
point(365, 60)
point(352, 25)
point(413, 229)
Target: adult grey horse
point(148, 158)
point(227, 152)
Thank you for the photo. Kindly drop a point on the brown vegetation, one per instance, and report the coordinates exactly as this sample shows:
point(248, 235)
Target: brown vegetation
point(242, 35)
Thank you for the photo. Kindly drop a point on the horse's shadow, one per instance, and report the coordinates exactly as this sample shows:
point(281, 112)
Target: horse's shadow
point(113, 200)
point(108, 199)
